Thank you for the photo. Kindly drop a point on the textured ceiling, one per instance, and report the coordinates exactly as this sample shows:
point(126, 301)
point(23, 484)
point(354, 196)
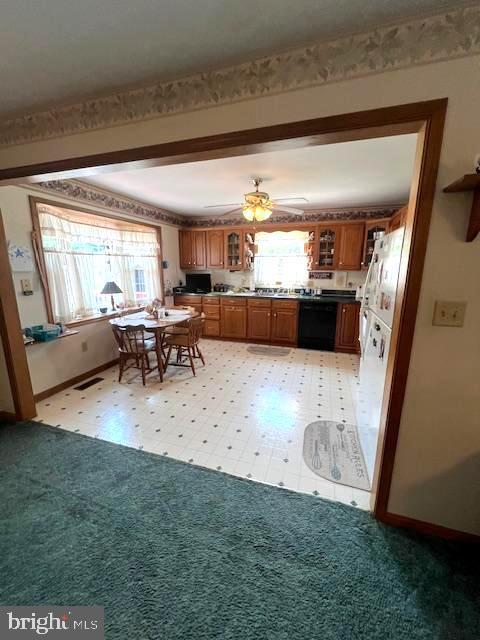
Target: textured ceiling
point(362, 173)
point(56, 51)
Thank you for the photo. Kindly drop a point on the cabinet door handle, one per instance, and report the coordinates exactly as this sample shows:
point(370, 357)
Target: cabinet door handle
point(343, 310)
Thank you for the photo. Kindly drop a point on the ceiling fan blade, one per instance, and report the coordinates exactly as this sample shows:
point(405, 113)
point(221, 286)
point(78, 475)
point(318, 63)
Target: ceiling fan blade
point(222, 206)
point(296, 212)
point(297, 199)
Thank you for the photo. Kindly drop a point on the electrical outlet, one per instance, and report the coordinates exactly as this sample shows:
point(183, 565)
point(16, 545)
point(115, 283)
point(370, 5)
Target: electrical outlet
point(26, 285)
point(449, 314)
point(85, 346)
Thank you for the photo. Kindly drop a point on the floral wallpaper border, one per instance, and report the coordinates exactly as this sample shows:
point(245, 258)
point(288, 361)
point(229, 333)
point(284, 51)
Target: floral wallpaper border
point(80, 191)
point(421, 41)
point(77, 190)
point(313, 215)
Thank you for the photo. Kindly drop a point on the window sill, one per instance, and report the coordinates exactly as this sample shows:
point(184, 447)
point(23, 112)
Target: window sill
point(65, 334)
point(99, 317)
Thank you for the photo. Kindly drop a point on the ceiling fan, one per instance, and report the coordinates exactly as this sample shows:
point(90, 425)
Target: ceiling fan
point(257, 205)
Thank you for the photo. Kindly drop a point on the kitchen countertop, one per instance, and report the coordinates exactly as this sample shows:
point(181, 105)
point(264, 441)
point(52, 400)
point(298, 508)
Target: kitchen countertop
point(320, 298)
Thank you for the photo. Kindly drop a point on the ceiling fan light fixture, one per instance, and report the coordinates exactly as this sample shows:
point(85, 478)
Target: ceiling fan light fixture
point(256, 212)
point(262, 213)
point(248, 213)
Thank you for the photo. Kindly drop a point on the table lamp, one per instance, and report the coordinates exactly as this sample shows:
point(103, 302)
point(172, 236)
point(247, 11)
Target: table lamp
point(109, 289)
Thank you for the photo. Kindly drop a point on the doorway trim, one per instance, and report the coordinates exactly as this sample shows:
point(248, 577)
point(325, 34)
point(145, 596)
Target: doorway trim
point(424, 118)
point(12, 340)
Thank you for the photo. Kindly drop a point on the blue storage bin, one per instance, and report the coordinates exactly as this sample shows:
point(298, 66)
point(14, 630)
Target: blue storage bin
point(44, 333)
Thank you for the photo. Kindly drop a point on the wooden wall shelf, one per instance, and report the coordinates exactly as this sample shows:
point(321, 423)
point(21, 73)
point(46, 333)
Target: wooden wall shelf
point(469, 182)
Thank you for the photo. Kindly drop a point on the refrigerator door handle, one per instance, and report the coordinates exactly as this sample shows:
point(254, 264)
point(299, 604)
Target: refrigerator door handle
point(363, 307)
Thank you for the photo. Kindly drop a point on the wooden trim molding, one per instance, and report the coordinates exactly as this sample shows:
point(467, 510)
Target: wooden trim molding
point(7, 417)
point(424, 118)
point(420, 41)
point(417, 224)
point(427, 528)
point(75, 380)
point(103, 317)
point(12, 338)
point(360, 125)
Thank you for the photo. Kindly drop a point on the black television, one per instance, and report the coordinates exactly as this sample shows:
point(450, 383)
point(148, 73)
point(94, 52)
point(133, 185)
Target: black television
point(198, 282)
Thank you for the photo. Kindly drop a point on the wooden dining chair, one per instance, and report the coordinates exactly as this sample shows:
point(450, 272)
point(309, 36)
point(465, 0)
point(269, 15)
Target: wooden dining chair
point(182, 327)
point(133, 346)
point(188, 342)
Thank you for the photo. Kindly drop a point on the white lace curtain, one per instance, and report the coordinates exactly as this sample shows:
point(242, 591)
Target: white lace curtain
point(84, 251)
point(281, 259)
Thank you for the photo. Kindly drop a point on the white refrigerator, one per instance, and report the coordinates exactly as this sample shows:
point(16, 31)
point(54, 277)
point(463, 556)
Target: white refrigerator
point(376, 319)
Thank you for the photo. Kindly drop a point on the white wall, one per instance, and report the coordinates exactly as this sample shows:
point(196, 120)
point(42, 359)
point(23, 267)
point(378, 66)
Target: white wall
point(55, 362)
point(439, 443)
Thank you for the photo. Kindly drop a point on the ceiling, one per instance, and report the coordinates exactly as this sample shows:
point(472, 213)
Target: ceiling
point(57, 51)
point(361, 173)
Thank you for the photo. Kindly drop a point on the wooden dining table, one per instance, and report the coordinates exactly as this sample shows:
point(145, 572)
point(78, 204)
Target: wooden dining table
point(156, 326)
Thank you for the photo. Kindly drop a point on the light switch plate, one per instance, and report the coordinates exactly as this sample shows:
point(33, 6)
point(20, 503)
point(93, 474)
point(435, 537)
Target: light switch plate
point(449, 314)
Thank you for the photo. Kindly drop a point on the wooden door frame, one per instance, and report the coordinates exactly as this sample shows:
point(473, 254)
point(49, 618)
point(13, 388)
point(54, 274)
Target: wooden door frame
point(423, 118)
point(12, 340)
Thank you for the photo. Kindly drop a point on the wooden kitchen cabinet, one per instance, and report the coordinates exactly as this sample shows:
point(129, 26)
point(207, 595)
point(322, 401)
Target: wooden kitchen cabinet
point(215, 248)
point(350, 246)
point(199, 249)
point(284, 321)
point(346, 336)
point(211, 309)
point(186, 256)
point(372, 230)
point(259, 319)
point(233, 318)
point(326, 247)
point(192, 249)
point(188, 301)
point(398, 219)
point(234, 250)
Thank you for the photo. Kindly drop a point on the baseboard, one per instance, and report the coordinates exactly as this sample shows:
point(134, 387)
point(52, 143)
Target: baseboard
point(7, 416)
point(428, 528)
point(267, 343)
point(68, 383)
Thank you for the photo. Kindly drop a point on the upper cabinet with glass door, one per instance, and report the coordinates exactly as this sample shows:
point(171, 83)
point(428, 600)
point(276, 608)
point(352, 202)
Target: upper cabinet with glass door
point(373, 231)
point(234, 250)
point(326, 247)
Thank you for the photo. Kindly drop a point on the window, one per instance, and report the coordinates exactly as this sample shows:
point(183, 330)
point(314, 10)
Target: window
point(281, 259)
point(79, 252)
point(140, 286)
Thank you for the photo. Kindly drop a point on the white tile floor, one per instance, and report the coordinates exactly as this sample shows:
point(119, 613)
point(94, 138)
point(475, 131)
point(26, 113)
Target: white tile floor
point(243, 413)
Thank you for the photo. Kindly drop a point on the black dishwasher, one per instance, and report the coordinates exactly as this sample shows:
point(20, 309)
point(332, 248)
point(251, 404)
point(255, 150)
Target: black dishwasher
point(317, 325)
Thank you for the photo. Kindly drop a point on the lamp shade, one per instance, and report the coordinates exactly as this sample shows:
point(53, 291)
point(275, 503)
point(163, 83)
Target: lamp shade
point(110, 288)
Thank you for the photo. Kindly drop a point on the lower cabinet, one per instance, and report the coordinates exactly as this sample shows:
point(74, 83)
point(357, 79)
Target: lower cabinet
point(233, 319)
point(284, 321)
point(346, 336)
point(211, 310)
point(184, 300)
point(259, 319)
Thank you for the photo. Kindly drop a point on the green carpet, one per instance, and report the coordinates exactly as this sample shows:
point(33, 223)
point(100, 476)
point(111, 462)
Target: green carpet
point(174, 551)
